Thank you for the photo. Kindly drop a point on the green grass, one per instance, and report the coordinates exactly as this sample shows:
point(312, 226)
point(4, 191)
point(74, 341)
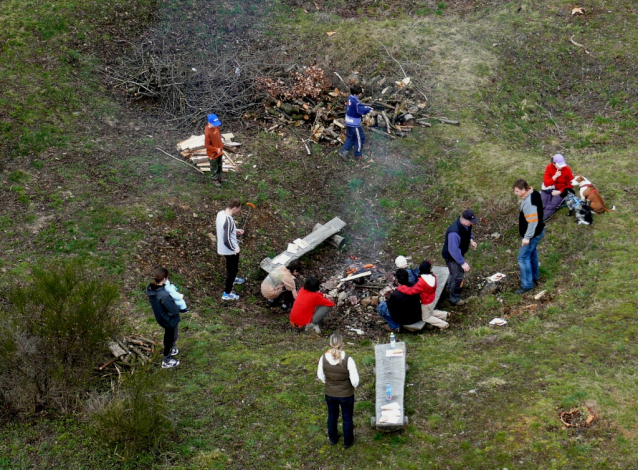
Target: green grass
point(477, 396)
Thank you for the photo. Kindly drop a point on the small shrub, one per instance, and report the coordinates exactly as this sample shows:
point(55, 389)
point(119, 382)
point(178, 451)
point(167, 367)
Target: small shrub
point(134, 420)
point(19, 176)
point(53, 333)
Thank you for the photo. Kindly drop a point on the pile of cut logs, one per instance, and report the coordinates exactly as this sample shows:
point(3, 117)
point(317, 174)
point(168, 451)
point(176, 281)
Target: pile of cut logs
point(194, 149)
point(397, 110)
point(129, 351)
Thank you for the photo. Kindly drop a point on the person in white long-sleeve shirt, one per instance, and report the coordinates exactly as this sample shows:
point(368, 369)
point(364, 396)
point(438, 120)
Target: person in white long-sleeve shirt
point(339, 373)
point(228, 247)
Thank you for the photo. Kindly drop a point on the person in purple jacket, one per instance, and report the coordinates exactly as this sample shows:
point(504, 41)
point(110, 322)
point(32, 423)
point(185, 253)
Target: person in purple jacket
point(458, 238)
point(354, 134)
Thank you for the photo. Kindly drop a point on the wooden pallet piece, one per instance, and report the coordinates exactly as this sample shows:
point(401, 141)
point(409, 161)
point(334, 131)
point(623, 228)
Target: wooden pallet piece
point(442, 273)
point(314, 239)
point(389, 370)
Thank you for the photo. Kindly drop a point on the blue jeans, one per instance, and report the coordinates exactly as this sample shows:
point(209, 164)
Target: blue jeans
point(383, 311)
point(354, 138)
point(528, 261)
point(347, 410)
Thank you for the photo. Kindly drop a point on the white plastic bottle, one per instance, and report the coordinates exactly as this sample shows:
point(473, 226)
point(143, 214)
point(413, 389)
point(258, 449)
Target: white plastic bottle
point(393, 341)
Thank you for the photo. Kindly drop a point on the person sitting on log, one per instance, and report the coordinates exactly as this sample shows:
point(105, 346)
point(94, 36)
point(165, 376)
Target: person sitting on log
point(426, 287)
point(279, 285)
point(400, 309)
point(310, 307)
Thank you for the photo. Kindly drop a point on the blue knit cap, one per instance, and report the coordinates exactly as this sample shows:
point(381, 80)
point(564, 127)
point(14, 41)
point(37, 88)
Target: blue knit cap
point(214, 120)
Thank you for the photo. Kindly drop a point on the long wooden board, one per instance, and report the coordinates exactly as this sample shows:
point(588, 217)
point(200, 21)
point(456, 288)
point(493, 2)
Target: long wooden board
point(314, 239)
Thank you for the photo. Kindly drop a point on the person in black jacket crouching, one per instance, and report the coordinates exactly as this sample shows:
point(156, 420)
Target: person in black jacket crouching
point(400, 309)
point(166, 313)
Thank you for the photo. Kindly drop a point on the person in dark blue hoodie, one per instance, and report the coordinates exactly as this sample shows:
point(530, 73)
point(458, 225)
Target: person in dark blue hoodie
point(166, 314)
point(354, 134)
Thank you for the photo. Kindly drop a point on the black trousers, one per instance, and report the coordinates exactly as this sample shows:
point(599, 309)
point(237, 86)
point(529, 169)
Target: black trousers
point(232, 268)
point(170, 336)
point(455, 280)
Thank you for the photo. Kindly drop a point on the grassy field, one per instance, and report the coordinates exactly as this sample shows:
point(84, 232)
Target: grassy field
point(91, 185)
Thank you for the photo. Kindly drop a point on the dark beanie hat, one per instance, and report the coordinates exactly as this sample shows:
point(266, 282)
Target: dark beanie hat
point(425, 268)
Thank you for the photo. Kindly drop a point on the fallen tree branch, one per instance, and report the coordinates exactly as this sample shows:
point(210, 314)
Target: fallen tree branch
point(302, 140)
point(384, 134)
point(181, 161)
point(578, 44)
point(405, 75)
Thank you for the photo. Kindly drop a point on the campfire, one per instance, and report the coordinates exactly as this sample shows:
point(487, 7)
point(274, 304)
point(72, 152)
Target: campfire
point(357, 290)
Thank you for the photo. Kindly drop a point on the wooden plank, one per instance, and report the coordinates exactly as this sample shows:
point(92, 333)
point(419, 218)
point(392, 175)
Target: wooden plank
point(314, 239)
point(229, 136)
point(389, 370)
point(192, 143)
point(116, 349)
point(356, 276)
point(442, 273)
point(199, 159)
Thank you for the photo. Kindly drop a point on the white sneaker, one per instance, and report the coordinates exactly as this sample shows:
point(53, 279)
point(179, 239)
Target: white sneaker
point(231, 296)
point(316, 328)
point(174, 352)
point(170, 364)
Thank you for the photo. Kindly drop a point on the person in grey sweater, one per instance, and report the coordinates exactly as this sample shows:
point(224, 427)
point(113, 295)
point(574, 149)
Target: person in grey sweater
point(228, 247)
point(532, 230)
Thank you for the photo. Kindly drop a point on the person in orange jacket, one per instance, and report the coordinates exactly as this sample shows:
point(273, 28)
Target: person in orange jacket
point(214, 147)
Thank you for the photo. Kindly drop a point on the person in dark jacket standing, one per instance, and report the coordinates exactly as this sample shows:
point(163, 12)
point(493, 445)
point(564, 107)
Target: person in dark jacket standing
point(354, 134)
point(400, 309)
point(532, 230)
point(166, 314)
point(458, 239)
point(339, 372)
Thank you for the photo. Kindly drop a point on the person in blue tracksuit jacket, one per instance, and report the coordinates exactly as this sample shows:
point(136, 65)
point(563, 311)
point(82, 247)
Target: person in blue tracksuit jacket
point(354, 134)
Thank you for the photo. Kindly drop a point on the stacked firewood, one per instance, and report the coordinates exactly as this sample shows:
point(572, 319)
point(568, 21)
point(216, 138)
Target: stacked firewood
point(398, 108)
point(128, 351)
point(193, 149)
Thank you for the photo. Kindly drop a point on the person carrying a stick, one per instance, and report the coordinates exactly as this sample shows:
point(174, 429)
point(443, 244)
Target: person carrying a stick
point(214, 148)
point(354, 134)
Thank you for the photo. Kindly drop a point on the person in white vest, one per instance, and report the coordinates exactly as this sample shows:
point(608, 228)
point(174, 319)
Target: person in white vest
point(228, 247)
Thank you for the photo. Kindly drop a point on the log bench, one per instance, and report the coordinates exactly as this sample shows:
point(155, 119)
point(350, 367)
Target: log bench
point(389, 370)
point(442, 273)
point(319, 235)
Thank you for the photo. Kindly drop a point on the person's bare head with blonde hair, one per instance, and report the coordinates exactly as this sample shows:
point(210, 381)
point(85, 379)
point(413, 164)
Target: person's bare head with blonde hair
point(336, 345)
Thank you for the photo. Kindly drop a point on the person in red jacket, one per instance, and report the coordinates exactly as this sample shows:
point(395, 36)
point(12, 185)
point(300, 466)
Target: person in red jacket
point(426, 288)
point(557, 177)
point(214, 147)
point(310, 307)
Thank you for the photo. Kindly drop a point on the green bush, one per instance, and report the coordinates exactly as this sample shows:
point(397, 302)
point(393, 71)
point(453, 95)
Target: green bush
point(135, 419)
point(53, 333)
